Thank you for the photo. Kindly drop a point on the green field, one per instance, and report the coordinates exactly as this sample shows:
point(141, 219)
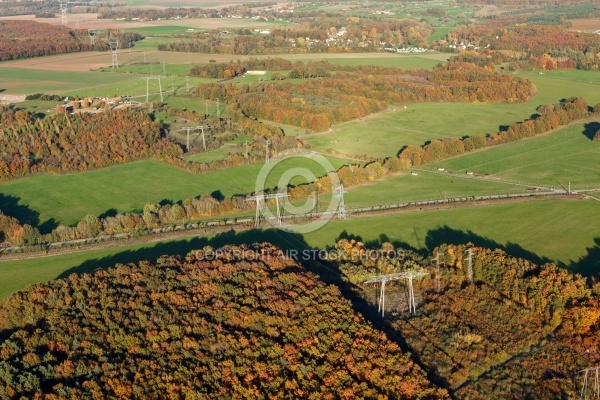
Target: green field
point(90, 83)
point(562, 84)
point(416, 61)
point(129, 187)
point(156, 68)
point(29, 81)
point(232, 147)
point(439, 33)
point(567, 155)
point(217, 154)
point(424, 186)
point(416, 124)
point(161, 30)
point(564, 231)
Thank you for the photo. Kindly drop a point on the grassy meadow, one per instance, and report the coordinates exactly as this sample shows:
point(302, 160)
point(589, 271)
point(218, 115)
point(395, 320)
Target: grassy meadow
point(129, 187)
point(552, 160)
point(420, 122)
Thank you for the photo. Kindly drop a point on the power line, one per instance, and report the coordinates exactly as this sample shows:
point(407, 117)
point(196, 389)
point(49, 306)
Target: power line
point(92, 34)
point(469, 251)
point(438, 284)
point(114, 46)
point(63, 12)
point(342, 204)
point(261, 206)
point(148, 78)
point(267, 155)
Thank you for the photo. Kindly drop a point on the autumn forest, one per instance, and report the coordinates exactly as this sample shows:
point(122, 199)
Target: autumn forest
point(300, 200)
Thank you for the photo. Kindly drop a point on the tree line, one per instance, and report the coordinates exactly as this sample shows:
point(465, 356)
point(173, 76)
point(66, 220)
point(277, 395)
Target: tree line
point(349, 93)
point(24, 39)
point(534, 46)
point(66, 143)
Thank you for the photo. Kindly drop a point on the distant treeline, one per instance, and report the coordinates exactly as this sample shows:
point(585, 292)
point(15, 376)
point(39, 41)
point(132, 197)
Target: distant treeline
point(354, 92)
point(25, 39)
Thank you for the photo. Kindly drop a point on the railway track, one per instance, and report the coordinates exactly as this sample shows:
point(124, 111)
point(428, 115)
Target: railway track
point(246, 223)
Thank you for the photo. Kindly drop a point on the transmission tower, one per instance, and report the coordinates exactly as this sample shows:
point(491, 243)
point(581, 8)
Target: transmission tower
point(279, 210)
point(261, 206)
point(259, 201)
point(148, 78)
point(408, 276)
point(585, 389)
point(219, 110)
point(469, 251)
point(342, 205)
point(63, 11)
point(187, 84)
point(267, 143)
point(247, 155)
point(438, 285)
point(92, 34)
point(114, 46)
point(188, 129)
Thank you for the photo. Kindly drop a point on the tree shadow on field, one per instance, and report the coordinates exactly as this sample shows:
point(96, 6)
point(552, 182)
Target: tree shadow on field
point(111, 212)
point(588, 265)
point(447, 235)
point(9, 205)
point(285, 241)
point(590, 129)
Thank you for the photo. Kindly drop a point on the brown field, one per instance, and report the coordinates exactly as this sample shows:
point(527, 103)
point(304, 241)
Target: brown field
point(95, 60)
point(591, 24)
point(64, 62)
point(91, 21)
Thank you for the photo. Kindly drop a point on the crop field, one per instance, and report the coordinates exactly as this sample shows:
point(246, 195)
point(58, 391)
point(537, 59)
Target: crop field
point(23, 81)
point(160, 30)
point(416, 124)
point(129, 187)
point(552, 160)
point(410, 61)
point(90, 21)
point(591, 24)
point(90, 73)
point(565, 231)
